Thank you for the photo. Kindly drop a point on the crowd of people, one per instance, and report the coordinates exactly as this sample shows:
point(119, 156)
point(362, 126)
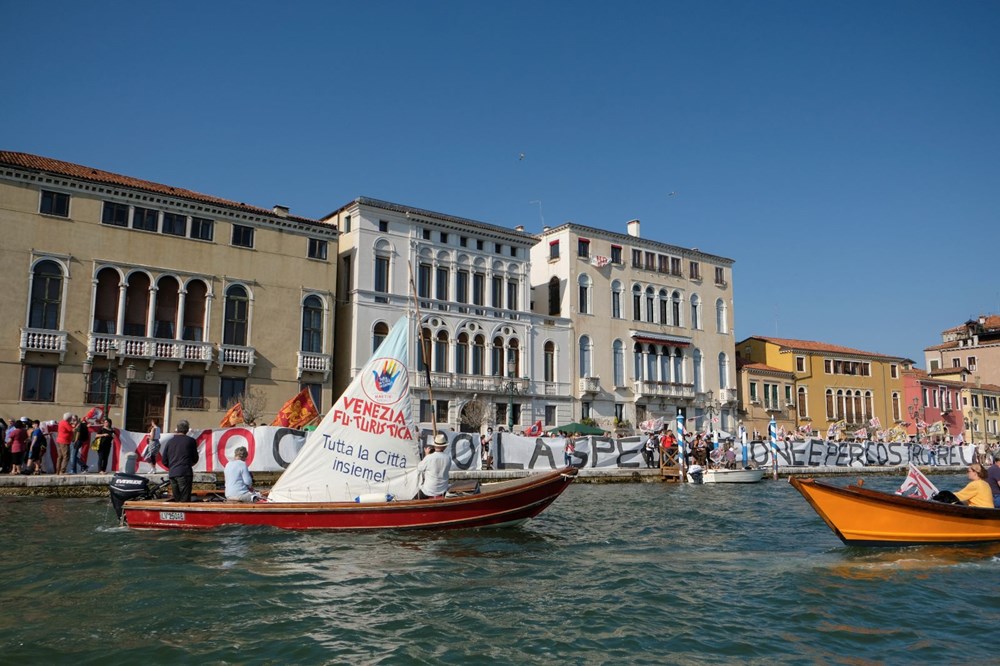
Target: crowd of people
point(26, 441)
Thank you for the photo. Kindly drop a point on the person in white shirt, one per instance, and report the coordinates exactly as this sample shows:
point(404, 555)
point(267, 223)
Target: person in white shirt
point(433, 470)
point(239, 483)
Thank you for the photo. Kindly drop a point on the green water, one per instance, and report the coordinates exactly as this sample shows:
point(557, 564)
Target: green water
point(631, 573)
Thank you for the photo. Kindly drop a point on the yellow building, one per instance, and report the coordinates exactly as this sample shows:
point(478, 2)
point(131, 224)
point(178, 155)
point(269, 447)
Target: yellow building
point(156, 301)
point(824, 384)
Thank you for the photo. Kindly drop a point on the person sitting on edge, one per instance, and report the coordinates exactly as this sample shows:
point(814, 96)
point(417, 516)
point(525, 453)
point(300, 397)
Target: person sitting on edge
point(433, 470)
point(239, 483)
point(977, 491)
point(993, 478)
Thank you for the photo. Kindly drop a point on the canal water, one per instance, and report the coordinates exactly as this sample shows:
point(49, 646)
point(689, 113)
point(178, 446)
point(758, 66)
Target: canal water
point(627, 573)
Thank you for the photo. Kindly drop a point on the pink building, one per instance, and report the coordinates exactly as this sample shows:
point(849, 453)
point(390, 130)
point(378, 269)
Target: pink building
point(929, 400)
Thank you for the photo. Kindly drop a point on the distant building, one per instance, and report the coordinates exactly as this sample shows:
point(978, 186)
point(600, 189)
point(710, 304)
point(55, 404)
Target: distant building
point(766, 392)
point(975, 346)
point(652, 325)
point(484, 345)
point(829, 384)
point(961, 402)
point(163, 302)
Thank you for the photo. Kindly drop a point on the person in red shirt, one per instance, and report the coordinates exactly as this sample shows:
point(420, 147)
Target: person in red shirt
point(17, 440)
point(64, 437)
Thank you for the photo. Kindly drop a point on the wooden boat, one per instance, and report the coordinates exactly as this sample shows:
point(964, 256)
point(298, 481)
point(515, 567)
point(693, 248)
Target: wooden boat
point(357, 471)
point(501, 504)
point(864, 517)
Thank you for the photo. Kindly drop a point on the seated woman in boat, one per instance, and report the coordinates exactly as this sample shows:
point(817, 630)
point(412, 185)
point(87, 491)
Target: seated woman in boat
point(977, 492)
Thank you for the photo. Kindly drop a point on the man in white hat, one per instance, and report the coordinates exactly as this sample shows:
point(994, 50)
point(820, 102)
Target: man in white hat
point(433, 470)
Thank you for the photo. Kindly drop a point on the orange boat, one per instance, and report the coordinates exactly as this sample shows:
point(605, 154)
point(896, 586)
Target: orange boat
point(863, 517)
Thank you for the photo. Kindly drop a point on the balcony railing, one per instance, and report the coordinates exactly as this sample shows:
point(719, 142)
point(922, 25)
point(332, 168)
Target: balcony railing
point(42, 340)
point(589, 384)
point(237, 356)
point(150, 349)
point(650, 389)
point(312, 362)
point(475, 383)
point(97, 398)
point(191, 402)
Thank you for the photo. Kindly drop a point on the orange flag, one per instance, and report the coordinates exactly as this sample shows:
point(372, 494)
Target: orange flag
point(297, 412)
point(233, 417)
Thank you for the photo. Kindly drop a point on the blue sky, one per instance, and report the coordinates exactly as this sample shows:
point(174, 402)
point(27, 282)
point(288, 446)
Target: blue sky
point(844, 154)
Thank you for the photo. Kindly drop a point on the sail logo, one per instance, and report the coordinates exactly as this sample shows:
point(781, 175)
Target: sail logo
point(385, 381)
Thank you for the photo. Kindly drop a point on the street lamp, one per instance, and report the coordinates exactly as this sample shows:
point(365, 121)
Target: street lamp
point(714, 409)
point(110, 375)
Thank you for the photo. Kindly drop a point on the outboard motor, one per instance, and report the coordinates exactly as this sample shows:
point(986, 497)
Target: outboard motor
point(126, 487)
point(696, 473)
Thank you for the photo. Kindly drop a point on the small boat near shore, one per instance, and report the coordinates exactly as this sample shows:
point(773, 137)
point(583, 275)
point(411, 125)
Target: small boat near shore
point(699, 474)
point(357, 471)
point(863, 517)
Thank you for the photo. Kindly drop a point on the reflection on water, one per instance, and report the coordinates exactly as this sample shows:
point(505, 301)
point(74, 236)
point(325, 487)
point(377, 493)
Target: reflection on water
point(637, 573)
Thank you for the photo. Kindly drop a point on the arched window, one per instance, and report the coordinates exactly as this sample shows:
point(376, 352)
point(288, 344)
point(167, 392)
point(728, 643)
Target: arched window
point(550, 361)
point(462, 354)
point(425, 353)
point(650, 311)
point(618, 362)
point(637, 361)
point(699, 373)
point(723, 370)
point(585, 306)
point(586, 368)
point(554, 300)
point(165, 308)
point(721, 320)
point(678, 366)
point(514, 358)
point(382, 276)
point(695, 312)
point(379, 333)
point(237, 316)
point(46, 296)
point(496, 357)
point(636, 302)
point(106, 303)
point(831, 407)
point(136, 304)
point(859, 414)
point(802, 403)
point(479, 355)
point(664, 307)
point(195, 306)
point(312, 324)
point(675, 309)
point(651, 363)
point(441, 352)
point(663, 359)
point(616, 300)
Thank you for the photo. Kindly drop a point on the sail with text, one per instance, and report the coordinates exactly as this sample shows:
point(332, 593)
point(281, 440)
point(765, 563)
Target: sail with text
point(366, 444)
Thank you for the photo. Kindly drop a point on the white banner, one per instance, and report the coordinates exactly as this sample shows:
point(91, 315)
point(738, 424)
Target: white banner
point(271, 449)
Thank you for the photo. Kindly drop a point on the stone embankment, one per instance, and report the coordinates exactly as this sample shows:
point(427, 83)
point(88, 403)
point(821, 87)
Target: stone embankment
point(96, 485)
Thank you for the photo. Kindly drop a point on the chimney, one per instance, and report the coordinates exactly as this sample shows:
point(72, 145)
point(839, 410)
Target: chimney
point(633, 228)
point(519, 227)
point(280, 211)
point(544, 229)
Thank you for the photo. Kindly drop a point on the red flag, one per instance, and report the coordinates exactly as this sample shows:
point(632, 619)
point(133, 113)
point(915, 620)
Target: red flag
point(920, 484)
point(535, 430)
point(94, 415)
point(298, 412)
point(233, 417)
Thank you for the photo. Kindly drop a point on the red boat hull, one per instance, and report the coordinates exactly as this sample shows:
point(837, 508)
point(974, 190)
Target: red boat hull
point(506, 503)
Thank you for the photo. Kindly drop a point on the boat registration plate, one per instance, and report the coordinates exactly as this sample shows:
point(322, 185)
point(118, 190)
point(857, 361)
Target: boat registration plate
point(171, 515)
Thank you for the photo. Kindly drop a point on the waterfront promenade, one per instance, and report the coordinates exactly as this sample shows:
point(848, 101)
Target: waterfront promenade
point(94, 485)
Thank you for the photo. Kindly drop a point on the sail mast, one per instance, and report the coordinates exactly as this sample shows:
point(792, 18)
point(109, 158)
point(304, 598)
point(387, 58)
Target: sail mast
point(424, 352)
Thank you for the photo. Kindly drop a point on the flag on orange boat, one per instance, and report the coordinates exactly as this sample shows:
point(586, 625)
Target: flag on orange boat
point(535, 430)
point(298, 412)
point(233, 417)
point(918, 483)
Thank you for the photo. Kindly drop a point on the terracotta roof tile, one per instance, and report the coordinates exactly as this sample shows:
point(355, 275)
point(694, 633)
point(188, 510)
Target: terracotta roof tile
point(823, 347)
point(763, 367)
point(48, 165)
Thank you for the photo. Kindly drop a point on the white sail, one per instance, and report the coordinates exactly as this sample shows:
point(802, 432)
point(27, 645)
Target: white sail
point(366, 443)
